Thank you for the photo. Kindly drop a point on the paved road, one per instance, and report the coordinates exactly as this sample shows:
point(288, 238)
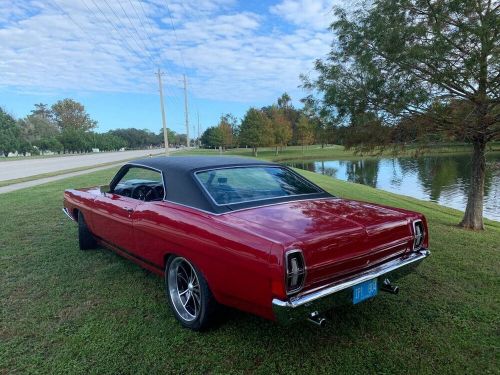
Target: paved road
point(29, 167)
point(27, 184)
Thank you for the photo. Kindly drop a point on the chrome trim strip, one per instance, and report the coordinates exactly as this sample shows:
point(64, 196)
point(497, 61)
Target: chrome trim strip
point(153, 169)
point(195, 173)
point(311, 296)
point(65, 210)
point(247, 208)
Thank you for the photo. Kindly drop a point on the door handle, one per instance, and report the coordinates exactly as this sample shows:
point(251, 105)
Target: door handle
point(128, 209)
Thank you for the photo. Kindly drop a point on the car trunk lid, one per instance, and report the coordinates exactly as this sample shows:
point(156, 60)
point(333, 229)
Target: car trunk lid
point(338, 237)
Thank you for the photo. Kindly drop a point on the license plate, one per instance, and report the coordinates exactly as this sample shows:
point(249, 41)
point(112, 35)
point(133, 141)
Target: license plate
point(363, 291)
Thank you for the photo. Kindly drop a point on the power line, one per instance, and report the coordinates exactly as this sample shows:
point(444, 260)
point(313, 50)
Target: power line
point(141, 22)
point(122, 40)
point(177, 44)
point(136, 31)
point(128, 46)
point(175, 36)
point(172, 96)
point(147, 54)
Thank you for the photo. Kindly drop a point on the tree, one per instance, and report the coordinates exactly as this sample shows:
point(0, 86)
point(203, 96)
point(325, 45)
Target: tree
point(284, 101)
point(49, 144)
point(212, 137)
point(75, 140)
point(108, 141)
point(34, 127)
point(228, 126)
point(323, 124)
point(305, 132)
point(256, 130)
point(281, 128)
point(69, 114)
point(42, 111)
point(400, 57)
point(9, 133)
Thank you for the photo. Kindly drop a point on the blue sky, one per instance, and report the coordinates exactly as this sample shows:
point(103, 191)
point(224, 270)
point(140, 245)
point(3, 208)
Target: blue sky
point(104, 53)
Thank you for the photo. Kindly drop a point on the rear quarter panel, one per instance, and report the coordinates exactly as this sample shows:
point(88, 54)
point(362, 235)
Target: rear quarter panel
point(234, 261)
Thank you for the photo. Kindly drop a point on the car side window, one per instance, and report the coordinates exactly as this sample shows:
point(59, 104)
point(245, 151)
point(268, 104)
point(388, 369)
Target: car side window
point(141, 183)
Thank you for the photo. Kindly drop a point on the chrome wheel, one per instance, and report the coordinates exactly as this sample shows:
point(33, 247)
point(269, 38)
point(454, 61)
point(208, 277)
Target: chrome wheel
point(184, 289)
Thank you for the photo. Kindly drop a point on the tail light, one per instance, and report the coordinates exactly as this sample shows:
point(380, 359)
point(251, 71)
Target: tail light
point(295, 271)
point(418, 234)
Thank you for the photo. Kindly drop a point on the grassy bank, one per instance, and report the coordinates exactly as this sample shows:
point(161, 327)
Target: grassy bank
point(68, 311)
point(335, 152)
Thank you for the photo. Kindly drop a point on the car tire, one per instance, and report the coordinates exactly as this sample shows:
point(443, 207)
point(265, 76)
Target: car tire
point(86, 240)
point(188, 294)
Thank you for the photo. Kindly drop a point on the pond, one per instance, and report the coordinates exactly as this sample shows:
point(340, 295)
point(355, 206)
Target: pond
point(442, 179)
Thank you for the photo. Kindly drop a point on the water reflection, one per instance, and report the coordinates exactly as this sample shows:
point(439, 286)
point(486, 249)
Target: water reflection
point(441, 179)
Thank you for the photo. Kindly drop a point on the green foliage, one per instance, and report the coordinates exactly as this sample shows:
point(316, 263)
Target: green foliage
point(281, 127)
point(228, 127)
point(108, 142)
point(49, 144)
point(212, 137)
point(256, 130)
point(75, 140)
point(305, 131)
point(36, 127)
point(138, 138)
point(395, 58)
point(9, 133)
point(69, 114)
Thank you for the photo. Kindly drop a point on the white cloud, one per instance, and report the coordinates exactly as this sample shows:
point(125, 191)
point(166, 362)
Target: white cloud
point(315, 14)
point(116, 46)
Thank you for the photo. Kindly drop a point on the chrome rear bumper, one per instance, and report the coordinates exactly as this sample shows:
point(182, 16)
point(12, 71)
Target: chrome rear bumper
point(340, 292)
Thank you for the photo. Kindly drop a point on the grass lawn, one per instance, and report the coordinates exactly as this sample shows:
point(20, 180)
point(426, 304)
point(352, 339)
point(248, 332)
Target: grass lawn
point(332, 152)
point(68, 311)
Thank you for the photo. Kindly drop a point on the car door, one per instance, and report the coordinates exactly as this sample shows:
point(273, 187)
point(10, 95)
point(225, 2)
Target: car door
point(113, 219)
point(113, 216)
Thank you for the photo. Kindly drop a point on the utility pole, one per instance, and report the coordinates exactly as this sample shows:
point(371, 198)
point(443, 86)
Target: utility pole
point(199, 142)
point(186, 114)
point(165, 135)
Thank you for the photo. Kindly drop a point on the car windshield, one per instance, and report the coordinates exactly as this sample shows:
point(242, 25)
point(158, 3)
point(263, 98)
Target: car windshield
point(245, 184)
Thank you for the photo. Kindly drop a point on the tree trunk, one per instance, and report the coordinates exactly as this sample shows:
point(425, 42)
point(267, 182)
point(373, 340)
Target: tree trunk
point(255, 151)
point(473, 217)
point(276, 150)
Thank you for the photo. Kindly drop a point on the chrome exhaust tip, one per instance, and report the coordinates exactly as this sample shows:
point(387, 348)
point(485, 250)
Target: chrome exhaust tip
point(389, 288)
point(316, 319)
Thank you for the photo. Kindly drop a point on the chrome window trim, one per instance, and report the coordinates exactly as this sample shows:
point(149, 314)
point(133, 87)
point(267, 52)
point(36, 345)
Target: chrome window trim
point(195, 174)
point(245, 208)
point(153, 169)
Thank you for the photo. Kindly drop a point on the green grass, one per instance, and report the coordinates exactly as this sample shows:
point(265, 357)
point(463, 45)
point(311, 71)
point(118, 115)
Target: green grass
point(68, 311)
point(334, 152)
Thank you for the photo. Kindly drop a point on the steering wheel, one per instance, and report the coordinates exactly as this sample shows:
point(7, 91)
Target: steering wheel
point(144, 193)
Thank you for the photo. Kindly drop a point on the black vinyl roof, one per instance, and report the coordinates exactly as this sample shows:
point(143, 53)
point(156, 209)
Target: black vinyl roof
point(181, 164)
point(183, 187)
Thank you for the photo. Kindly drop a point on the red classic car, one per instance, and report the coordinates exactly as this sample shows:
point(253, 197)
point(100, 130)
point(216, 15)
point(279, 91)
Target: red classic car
point(248, 234)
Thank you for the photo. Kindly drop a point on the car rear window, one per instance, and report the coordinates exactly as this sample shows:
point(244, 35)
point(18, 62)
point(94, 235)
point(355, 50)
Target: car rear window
point(246, 184)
